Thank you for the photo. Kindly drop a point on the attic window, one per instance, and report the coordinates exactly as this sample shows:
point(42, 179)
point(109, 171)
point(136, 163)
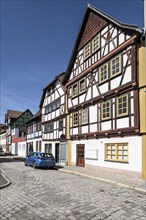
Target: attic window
point(87, 50)
point(95, 43)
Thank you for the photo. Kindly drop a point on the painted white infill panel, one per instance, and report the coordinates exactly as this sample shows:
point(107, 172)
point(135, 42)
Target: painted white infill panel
point(57, 113)
point(121, 38)
point(114, 33)
point(127, 76)
point(71, 75)
point(51, 135)
point(88, 94)
point(132, 106)
point(69, 103)
point(75, 131)
point(102, 43)
point(56, 95)
point(93, 128)
point(104, 30)
point(93, 113)
point(127, 37)
point(132, 121)
point(53, 114)
point(115, 82)
point(123, 122)
point(81, 98)
point(111, 46)
point(95, 91)
point(55, 126)
point(80, 52)
point(55, 136)
point(106, 50)
point(85, 129)
point(124, 59)
point(103, 88)
point(61, 92)
point(106, 125)
point(75, 101)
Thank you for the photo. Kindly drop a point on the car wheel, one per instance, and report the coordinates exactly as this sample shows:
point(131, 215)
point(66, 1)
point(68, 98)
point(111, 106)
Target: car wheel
point(34, 165)
point(25, 163)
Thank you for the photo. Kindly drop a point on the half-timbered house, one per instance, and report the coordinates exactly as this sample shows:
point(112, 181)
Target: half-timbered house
point(18, 133)
point(34, 134)
point(52, 106)
point(103, 95)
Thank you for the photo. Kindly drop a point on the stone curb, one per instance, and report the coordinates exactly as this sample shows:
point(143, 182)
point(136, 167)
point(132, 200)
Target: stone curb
point(143, 191)
point(8, 181)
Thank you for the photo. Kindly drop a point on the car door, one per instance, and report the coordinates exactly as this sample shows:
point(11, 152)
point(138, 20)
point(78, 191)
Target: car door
point(30, 159)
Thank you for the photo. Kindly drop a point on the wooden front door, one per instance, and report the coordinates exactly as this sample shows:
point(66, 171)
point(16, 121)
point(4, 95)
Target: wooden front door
point(80, 155)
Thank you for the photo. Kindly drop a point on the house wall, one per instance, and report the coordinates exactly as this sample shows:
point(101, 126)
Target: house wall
point(95, 153)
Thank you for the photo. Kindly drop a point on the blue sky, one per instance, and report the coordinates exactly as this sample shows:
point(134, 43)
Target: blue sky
point(37, 38)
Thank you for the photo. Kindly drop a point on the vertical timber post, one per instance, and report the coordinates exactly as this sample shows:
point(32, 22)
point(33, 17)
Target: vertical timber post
point(69, 163)
point(142, 103)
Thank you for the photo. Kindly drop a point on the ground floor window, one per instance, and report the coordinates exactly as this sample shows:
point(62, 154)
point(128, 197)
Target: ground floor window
point(48, 148)
point(116, 152)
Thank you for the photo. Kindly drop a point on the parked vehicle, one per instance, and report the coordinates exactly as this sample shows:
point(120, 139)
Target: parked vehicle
point(2, 153)
point(40, 159)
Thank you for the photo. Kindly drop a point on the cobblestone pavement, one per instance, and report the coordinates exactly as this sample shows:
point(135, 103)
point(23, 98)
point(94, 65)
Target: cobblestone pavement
point(52, 195)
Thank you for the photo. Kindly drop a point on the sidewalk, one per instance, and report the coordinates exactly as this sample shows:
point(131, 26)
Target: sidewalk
point(102, 174)
point(3, 180)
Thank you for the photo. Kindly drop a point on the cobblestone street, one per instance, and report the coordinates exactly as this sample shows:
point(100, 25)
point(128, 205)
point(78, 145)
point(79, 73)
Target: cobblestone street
point(49, 194)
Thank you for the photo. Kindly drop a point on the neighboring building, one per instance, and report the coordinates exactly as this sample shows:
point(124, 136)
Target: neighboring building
point(3, 136)
point(10, 117)
point(34, 133)
point(16, 131)
point(52, 106)
point(103, 95)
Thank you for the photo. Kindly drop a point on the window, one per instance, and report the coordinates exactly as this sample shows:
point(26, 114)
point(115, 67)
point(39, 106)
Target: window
point(87, 50)
point(103, 73)
point(75, 119)
point(61, 124)
point(75, 90)
point(95, 43)
point(116, 152)
point(85, 116)
point(115, 66)
point(82, 86)
point(48, 148)
point(106, 110)
point(48, 128)
point(122, 105)
point(52, 106)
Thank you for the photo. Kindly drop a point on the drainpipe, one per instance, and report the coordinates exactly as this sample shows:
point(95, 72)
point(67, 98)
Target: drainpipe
point(142, 93)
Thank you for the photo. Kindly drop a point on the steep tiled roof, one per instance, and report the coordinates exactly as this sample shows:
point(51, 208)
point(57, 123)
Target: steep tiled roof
point(13, 114)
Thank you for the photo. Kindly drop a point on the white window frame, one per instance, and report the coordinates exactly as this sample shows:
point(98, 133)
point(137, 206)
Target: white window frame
point(100, 72)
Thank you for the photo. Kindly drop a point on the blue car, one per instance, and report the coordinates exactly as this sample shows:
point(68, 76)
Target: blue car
point(39, 159)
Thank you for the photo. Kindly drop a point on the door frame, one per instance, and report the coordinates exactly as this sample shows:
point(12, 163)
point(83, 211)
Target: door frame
point(80, 159)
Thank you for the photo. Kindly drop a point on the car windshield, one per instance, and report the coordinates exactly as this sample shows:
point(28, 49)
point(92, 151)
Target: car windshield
point(46, 155)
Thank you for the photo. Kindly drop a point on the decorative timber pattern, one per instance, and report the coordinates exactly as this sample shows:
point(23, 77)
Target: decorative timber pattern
point(53, 111)
point(102, 80)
